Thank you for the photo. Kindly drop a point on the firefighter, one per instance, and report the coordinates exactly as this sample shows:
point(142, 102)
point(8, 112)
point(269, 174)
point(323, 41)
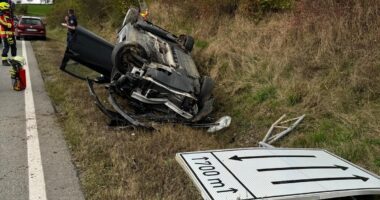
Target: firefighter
point(11, 4)
point(7, 30)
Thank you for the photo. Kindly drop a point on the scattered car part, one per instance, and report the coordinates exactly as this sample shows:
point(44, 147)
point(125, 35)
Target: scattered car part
point(220, 124)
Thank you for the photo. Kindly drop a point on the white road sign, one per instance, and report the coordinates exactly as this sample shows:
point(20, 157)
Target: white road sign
point(257, 173)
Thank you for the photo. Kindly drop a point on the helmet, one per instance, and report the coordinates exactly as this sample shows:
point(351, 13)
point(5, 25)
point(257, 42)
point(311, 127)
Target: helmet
point(4, 6)
point(19, 59)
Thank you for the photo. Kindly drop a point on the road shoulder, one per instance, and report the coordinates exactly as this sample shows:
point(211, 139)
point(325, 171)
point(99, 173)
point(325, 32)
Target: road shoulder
point(61, 178)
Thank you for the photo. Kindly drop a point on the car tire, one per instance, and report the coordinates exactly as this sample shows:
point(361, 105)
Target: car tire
point(187, 42)
point(206, 89)
point(121, 54)
point(18, 38)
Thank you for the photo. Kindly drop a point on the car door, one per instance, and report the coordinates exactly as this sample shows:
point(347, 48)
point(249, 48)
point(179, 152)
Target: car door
point(90, 55)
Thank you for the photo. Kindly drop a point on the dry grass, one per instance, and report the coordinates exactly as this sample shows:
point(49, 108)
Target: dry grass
point(321, 59)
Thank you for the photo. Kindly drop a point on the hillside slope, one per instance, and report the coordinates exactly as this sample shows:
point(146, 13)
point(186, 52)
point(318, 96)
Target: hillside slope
point(319, 58)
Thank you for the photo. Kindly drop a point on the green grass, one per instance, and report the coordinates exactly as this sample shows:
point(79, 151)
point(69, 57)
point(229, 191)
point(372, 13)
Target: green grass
point(38, 10)
point(264, 94)
point(377, 162)
point(201, 44)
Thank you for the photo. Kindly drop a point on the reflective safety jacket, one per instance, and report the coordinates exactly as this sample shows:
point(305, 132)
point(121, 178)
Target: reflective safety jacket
point(7, 27)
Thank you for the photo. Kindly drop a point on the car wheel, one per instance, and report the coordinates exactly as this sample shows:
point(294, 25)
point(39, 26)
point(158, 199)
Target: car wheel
point(127, 55)
point(206, 89)
point(43, 38)
point(18, 38)
point(187, 42)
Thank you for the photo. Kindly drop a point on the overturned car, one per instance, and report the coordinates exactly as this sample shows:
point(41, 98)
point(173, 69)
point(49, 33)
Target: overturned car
point(149, 74)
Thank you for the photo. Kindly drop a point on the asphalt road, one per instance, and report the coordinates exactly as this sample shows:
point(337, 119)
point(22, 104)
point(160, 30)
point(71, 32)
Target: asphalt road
point(35, 162)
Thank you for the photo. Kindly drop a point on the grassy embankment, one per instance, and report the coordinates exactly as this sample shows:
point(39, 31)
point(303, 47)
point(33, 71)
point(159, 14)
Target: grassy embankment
point(38, 10)
point(320, 59)
point(33, 9)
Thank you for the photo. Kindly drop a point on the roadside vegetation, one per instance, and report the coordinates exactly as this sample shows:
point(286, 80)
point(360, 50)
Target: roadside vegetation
point(33, 9)
point(268, 58)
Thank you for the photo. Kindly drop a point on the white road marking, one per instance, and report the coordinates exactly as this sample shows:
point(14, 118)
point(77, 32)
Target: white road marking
point(37, 189)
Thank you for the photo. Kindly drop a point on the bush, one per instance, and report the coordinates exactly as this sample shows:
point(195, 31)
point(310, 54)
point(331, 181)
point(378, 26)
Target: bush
point(97, 13)
point(207, 8)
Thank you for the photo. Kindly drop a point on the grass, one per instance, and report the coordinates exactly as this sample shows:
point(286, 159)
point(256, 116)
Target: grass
point(201, 44)
point(38, 10)
point(316, 60)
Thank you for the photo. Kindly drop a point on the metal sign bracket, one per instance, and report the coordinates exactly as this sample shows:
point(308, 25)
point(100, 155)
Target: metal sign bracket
point(281, 124)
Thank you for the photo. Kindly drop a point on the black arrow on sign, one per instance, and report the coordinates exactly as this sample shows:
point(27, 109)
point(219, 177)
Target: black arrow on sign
point(237, 158)
point(355, 177)
point(297, 168)
point(233, 190)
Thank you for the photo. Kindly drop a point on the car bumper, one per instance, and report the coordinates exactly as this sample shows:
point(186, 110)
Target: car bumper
point(29, 34)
